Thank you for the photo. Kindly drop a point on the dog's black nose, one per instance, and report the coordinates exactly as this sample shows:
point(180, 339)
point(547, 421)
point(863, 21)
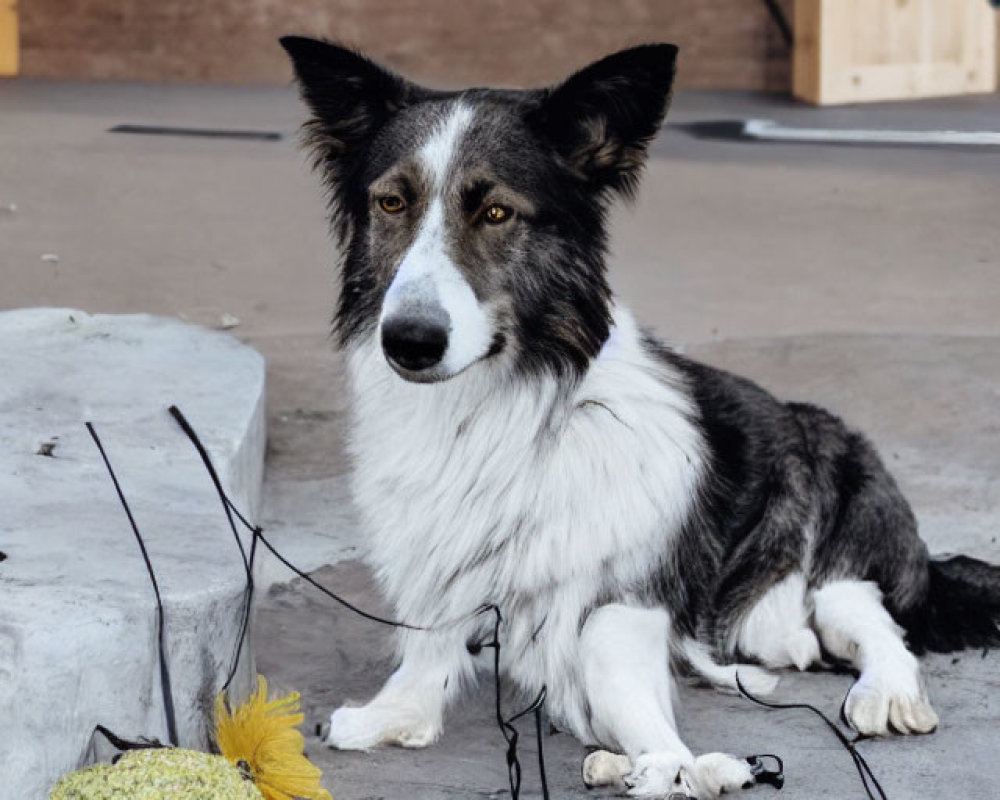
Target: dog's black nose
point(414, 344)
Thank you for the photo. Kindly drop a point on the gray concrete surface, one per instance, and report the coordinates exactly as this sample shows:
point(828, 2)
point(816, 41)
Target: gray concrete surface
point(866, 279)
point(77, 617)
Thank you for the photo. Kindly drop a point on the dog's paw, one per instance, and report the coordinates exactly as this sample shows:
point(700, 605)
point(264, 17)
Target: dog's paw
point(715, 773)
point(603, 768)
point(873, 709)
point(416, 736)
point(353, 729)
point(367, 727)
point(663, 775)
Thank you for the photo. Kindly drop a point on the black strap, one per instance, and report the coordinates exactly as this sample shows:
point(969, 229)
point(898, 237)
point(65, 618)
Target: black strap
point(125, 744)
point(868, 779)
point(168, 696)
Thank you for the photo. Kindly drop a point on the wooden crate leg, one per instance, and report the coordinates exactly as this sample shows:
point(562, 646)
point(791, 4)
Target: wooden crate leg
point(9, 44)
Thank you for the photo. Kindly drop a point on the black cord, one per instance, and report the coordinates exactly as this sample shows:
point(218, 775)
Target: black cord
point(778, 15)
point(168, 697)
point(312, 582)
point(539, 738)
point(507, 729)
point(124, 744)
point(868, 779)
point(510, 733)
point(258, 535)
point(228, 507)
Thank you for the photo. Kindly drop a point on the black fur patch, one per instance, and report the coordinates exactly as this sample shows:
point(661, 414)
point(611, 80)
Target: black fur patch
point(791, 487)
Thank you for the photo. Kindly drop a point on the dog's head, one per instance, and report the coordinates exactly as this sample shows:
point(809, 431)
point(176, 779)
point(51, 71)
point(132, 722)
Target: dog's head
point(473, 222)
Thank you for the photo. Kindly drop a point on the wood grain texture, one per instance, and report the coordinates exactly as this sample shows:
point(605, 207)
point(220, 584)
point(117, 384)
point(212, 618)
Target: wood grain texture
point(865, 50)
point(724, 43)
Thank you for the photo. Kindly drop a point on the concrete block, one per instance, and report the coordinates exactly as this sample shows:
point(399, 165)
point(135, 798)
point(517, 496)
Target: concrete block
point(77, 611)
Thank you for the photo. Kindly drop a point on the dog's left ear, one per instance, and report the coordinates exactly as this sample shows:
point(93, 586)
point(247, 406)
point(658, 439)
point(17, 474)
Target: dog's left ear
point(602, 118)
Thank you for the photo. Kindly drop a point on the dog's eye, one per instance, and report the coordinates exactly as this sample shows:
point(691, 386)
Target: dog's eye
point(496, 214)
point(391, 204)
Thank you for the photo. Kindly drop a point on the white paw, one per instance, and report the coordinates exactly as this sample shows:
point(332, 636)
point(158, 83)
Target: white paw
point(353, 729)
point(417, 736)
point(367, 727)
point(603, 768)
point(871, 708)
point(715, 773)
point(660, 775)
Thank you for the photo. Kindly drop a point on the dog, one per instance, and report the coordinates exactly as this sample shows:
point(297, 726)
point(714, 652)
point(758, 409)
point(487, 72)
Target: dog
point(519, 440)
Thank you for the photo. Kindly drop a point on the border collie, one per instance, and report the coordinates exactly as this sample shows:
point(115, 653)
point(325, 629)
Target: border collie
point(519, 440)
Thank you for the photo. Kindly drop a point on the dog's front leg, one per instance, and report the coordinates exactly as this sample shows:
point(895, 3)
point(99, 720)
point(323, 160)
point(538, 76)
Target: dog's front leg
point(627, 681)
point(409, 709)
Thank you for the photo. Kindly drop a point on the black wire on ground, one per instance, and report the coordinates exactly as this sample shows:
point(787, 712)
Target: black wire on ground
point(868, 779)
point(507, 729)
point(510, 733)
point(346, 604)
point(168, 697)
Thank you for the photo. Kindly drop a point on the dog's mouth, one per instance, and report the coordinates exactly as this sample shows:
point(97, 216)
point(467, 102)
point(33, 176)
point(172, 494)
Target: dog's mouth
point(420, 376)
point(429, 362)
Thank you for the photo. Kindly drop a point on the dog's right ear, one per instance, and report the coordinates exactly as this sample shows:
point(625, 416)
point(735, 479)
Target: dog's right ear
point(602, 118)
point(350, 96)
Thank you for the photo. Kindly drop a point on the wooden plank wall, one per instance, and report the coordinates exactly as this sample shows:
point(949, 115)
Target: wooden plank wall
point(863, 50)
point(725, 43)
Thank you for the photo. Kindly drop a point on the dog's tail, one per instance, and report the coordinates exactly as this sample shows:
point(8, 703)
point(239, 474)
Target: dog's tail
point(961, 608)
point(693, 657)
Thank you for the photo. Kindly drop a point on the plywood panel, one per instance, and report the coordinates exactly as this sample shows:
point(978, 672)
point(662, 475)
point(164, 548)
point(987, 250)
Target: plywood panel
point(862, 50)
point(8, 37)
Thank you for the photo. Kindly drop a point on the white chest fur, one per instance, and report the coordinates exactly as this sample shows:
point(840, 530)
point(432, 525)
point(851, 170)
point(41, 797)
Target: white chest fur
point(529, 483)
point(529, 494)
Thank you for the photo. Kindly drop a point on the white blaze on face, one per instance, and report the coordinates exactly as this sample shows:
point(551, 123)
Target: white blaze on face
point(428, 286)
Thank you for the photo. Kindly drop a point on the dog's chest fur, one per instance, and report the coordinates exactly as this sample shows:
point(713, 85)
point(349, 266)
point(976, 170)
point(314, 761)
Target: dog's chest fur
point(536, 496)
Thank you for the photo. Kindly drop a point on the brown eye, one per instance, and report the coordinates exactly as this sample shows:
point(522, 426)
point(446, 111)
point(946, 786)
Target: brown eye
point(391, 204)
point(496, 214)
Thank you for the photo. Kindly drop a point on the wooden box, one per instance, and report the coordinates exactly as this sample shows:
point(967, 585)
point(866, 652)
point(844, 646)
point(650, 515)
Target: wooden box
point(8, 37)
point(852, 51)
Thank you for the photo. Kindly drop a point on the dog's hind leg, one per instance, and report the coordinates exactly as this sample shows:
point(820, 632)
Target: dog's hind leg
point(854, 626)
point(627, 682)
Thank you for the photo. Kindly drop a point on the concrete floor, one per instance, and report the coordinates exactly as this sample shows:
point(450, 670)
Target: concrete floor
point(864, 279)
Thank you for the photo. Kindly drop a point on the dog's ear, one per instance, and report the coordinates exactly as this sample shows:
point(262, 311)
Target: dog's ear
point(350, 96)
point(602, 118)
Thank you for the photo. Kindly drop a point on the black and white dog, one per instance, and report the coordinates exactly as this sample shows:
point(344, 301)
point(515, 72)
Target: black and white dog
point(518, 439)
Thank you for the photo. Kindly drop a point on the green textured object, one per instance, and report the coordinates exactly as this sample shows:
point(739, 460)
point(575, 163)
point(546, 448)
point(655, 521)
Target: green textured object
point(159, 774)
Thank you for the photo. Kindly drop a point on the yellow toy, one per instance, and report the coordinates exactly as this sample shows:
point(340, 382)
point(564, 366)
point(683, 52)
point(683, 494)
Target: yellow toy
point(261, 759)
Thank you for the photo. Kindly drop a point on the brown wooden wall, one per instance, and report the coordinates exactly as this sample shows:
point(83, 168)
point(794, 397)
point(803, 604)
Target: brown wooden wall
point(725, 43)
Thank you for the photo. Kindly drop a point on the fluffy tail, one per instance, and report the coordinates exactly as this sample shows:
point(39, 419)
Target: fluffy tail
point(694, 657)
point(961, 608)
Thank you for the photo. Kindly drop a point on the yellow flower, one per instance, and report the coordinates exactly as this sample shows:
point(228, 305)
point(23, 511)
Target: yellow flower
point(261, 736)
